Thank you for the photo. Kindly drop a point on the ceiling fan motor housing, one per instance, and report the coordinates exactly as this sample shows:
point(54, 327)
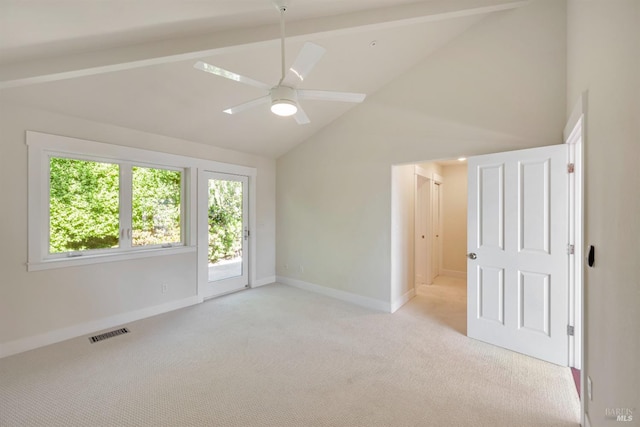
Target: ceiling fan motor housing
point(284, 94)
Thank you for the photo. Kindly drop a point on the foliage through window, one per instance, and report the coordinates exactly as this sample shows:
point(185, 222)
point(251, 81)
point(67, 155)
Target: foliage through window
point(95, 205)
point(225, 220)
point(84, 205)
point(156, 206)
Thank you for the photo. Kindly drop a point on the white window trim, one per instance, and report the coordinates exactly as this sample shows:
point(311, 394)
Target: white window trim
point(40, 145)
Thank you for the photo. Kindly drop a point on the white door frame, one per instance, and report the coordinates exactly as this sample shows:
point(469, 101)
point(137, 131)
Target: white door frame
point(574, 137)
point(202, 218)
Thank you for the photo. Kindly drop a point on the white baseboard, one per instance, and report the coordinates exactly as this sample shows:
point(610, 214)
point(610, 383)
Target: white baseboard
point(454, 273)
point(399, 302)
point(52, 337)
point(264, 281)
point(367, 302)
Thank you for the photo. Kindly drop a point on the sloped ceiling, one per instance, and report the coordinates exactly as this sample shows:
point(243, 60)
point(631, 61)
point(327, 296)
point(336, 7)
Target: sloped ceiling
point(130, 63)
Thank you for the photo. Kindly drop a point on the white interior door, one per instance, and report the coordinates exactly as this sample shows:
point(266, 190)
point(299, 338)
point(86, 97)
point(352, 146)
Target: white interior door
point(223, 232)
point(422, 215)
point(436, 233)
point(517, 243)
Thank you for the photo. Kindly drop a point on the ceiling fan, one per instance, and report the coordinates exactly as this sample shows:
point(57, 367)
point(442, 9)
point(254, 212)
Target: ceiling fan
point(285, 95)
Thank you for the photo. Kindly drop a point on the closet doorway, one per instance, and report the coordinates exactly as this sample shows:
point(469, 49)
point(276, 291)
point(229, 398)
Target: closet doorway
point(428, 225)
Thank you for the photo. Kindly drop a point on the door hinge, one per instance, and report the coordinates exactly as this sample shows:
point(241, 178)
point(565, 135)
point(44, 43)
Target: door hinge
point(570, 330)
point(571, 249)
point(571, 168)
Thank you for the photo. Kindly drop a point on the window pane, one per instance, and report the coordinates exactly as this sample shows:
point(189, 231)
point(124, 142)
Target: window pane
point(83, 205)
point(156, 206)
point(225, 229)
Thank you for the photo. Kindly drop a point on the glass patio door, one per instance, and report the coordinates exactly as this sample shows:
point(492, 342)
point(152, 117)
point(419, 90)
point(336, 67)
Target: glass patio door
point(224, 228)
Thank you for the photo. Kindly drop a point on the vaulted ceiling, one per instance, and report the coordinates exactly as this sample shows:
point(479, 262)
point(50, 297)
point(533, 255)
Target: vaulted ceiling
point(130, 63)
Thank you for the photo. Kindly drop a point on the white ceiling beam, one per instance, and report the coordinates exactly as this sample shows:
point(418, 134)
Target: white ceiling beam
point(188, 48)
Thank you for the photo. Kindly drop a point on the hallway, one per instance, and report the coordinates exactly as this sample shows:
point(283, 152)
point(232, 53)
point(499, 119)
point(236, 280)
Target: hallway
point(446, 301)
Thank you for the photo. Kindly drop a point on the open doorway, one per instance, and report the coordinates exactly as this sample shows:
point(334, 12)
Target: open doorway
point(439, 240)
point(440, 221)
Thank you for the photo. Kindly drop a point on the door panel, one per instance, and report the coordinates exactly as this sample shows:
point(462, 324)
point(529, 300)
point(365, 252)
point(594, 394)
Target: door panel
point(491, 204)
point(518, 230)
point(491, 294)
point(533, 206)
point(533, 304)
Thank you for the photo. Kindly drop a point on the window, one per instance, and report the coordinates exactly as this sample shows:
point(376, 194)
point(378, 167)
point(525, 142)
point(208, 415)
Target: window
point(87, 204)
point(90, 208)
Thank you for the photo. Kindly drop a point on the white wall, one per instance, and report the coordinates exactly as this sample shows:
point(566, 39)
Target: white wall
point(430, 168)
point(498, 86)
point(454, 220)
point(33, 304)
point(403, 186)
point(604, 58)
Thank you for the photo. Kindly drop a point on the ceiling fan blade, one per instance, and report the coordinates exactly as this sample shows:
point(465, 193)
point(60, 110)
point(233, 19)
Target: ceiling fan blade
point(230, 75)
point(327, 95)
point(244, 106)
point(301, 117)
point(308, 57)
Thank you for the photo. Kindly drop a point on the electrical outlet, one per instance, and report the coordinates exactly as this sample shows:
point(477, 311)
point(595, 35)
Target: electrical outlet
point(301, 269)
point(589, 388)
point(165, 288)
point(286, 266)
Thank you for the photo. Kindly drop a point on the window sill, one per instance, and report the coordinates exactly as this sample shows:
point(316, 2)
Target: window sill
point(97, 259)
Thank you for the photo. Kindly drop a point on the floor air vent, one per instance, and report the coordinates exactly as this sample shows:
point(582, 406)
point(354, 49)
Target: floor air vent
point(109, 334)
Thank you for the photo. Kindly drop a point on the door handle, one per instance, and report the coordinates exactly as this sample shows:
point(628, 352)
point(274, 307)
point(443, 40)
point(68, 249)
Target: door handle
point(472, 255)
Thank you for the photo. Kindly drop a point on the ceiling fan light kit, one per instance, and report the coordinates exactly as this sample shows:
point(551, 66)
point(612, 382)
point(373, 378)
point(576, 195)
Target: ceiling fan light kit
point(284, 101)
point(285, 95)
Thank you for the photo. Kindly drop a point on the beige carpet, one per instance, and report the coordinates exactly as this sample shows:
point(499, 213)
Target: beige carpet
point(279, 356)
